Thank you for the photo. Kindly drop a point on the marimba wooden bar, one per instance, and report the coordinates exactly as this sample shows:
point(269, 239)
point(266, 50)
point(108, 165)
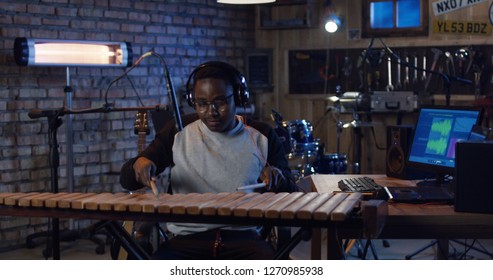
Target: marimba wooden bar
point(288, 209)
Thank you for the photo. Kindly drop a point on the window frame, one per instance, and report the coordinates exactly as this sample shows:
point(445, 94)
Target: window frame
point(368, 32)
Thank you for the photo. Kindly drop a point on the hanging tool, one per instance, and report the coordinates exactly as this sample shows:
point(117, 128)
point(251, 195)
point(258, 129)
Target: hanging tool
point(472, 58)
point(377, 80)
point(450, 64)
point(389, 86)
point(462, 56)
point(398, 84)
point(406, 78)
point(436, 56)
point(415, 78)
point(423, 75)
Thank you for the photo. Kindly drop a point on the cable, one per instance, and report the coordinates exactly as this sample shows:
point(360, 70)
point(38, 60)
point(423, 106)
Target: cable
point(135, 90)
point(107, 104)
point(322, 118)
point(169, 86)
point(375, 140)
point(171, 92)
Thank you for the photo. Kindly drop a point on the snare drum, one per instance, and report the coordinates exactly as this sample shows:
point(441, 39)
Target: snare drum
point(300, 137)
point(332, 164)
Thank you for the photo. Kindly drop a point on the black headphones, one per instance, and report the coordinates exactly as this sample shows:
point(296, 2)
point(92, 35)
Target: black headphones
point(240, 88)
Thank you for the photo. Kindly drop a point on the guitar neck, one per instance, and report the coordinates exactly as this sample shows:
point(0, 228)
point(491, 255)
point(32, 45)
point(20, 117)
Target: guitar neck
point(141, 141)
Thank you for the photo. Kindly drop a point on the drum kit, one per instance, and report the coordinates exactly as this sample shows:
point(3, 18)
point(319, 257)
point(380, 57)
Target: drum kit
point(304, 152)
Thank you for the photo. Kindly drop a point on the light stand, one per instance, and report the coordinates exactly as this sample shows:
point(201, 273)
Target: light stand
point(56, 53)
point(357, 134)
point(69, 135)
point(339, 124)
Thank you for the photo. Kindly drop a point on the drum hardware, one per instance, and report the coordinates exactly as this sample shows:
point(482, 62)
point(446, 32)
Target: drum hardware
point(302, 164)
point(299, 145)
point(332, 164)
point(301, 136)
point(339, 122)
point(336, 163)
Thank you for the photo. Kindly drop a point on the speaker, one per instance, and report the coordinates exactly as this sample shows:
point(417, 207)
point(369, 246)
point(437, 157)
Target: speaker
point(399, 139)
point(473, 176)
point(240, 88)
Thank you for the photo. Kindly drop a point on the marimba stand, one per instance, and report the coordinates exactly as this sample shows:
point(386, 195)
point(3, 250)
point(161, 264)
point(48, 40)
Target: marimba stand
point(344, 215)
point(133, 248)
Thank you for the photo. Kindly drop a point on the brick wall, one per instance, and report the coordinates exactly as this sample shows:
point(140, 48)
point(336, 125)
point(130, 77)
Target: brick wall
point(184, 33)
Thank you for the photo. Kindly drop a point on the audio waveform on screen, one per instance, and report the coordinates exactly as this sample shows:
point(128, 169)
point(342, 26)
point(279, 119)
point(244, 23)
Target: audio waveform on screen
point(438, 136)
point(441, 126)
point(436, 146)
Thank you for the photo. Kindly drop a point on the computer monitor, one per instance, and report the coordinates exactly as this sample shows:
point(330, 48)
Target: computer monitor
point(436, 132)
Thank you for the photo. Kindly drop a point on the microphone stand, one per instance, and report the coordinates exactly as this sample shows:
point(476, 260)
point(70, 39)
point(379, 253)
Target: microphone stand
point(54, 122)
point(171, 92)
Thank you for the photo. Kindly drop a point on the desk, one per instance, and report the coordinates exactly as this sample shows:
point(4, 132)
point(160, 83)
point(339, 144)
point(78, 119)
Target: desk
point(416, 221)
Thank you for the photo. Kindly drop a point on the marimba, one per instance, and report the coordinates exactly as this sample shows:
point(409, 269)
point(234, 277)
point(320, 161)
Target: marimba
point(289, 209)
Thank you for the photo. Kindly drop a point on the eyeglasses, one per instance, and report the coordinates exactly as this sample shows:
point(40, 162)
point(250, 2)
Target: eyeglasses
point(219, 104)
